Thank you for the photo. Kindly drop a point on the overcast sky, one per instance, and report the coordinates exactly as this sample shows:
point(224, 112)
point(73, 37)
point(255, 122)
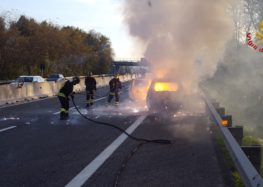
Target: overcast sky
point(104, 16)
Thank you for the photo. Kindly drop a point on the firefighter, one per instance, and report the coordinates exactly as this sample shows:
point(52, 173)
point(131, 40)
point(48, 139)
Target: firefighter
point(115, 85)
point(63, 95)
point(90, 83)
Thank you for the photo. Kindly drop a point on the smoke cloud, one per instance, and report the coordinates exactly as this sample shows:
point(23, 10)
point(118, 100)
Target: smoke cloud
point(183, 40)
point(237, 86)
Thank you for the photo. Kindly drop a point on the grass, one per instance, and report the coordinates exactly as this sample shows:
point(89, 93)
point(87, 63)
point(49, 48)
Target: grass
point(237, 179)
point(229, 162)
point(250, 140)
point(247, 140)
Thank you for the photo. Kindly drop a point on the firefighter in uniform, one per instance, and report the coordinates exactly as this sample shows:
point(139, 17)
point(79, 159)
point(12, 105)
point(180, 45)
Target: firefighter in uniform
point(63, 95)
point(115, 85)
point(90, 83)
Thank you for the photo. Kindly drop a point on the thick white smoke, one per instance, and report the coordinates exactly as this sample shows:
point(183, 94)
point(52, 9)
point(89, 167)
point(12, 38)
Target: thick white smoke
point(183, 40)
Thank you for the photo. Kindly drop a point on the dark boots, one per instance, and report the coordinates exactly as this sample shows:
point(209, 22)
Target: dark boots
point(63, 116)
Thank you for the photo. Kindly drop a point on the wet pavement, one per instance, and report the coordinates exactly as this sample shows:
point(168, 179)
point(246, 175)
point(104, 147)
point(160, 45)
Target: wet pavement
point(41, 150)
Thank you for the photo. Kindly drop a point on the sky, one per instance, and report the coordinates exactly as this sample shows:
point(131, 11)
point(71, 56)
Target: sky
point(104, 16)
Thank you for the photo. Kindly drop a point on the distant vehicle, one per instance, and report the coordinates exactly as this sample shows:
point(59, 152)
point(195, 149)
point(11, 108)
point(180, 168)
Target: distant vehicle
point(164, 96)
point(55, 77)
point(27, 79)
point(138, 89)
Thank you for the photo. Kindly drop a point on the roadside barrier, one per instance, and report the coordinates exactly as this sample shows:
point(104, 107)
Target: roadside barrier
point(13, 93)
point(246, 165)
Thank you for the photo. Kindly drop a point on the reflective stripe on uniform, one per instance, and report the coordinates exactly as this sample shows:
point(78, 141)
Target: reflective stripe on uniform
point(61, 94)
point(63, 110)
point(89, 101)
point(112, 93)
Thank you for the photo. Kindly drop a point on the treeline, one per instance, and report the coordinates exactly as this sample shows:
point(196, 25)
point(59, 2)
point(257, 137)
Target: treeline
point(26, 44)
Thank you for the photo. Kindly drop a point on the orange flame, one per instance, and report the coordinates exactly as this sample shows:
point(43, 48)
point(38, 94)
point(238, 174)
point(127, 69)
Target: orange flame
point(224, 123)
point(165, 86)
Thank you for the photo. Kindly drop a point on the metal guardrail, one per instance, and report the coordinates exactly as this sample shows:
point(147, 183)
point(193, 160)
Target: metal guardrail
point(249, 174)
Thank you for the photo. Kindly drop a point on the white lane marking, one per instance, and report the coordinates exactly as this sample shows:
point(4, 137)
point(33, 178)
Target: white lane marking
point(78, 106)
point(8, 128)
point(90, 169)
point(99, 99)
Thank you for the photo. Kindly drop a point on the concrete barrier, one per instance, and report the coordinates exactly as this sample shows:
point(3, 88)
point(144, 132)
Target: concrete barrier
point(11, 93)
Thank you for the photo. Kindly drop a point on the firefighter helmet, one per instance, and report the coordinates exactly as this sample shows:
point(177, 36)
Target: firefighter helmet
point(76, 80)
point(116, 76)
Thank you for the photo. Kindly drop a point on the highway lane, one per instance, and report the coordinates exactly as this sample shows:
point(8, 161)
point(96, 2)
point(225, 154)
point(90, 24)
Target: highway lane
point(191, 160)
point(44, 151)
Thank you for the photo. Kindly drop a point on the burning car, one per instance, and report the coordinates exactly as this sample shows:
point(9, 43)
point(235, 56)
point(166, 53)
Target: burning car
point(164, 96)
point(138, 89)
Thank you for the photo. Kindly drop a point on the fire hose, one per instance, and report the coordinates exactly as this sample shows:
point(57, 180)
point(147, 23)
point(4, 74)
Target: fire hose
point(142, 141)
point(158, 141)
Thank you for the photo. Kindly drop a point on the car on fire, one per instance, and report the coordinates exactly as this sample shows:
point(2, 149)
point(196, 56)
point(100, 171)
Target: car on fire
point(138, 89)
point(164, 96)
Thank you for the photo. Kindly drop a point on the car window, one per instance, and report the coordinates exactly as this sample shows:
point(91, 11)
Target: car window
point(20, 79)
point(34, 79)
point(28, 79)
point(53, 76)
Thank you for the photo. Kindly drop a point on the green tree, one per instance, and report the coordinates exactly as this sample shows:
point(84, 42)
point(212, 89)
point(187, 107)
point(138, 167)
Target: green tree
point(25, 44)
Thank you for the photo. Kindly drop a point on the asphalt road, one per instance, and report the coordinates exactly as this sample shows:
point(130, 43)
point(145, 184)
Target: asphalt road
point(37, 149)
